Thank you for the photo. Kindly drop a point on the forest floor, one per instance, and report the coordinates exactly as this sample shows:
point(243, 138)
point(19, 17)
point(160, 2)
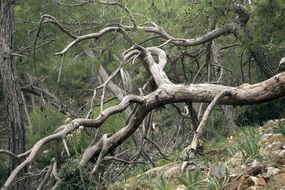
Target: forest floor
point(252, 158)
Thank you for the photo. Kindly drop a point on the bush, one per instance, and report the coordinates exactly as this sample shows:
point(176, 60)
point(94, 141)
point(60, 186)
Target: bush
point(75, 177)
point(257, 114)
point(4, 171)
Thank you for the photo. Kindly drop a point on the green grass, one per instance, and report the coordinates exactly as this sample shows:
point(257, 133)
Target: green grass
point(246, 143)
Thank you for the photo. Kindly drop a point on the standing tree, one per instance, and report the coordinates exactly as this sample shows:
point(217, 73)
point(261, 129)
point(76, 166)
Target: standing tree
point(10, 86)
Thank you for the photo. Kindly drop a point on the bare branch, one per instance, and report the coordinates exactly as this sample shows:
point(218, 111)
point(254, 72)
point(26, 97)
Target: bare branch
point(2, 151)
point(244, 94)
point(50, 19)
point(62, 131)
point(121, 160)
point(190, 150)
point(124, 7)
point(55, 174)
point(96, 35)
point(46, 177)
point(49, 97)
point(227, 29)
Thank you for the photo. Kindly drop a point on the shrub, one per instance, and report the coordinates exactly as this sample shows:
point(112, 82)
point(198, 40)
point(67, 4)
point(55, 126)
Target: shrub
point(74, 177)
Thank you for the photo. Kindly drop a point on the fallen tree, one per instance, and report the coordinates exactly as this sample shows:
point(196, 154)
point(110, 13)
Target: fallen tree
point(166, 93)
point(138, 107)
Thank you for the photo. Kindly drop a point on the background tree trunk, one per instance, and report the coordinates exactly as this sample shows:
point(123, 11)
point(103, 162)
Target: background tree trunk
point(10, 86)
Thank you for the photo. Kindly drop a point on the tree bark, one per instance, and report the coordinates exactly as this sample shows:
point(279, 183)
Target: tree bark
point(10, 86)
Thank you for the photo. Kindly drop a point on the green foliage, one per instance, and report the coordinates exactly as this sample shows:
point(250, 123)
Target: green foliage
point(161, 183)
point(77, 74)
point(74, 177)
point(4, 170)
point(218, 126)
point(216, 184)
point(115, 122)
point(257, 114)
point(246, 143)
point(270, 22)
point(43, 122)
point(192, 181)
point(280, 128)
point(196, 181)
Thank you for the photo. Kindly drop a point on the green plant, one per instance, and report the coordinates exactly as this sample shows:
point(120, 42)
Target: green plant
point(4, 170)
point(246, 143)
point(257, 114)
point(161, 183)
point(216, 184)
point(192, 181)
point(74, 177)
point(280, 128)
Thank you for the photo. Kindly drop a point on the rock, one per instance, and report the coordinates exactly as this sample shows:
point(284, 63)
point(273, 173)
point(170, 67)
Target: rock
point(261, 181)
point(270, 125)
point(272, 145)
point(278, 179)
point(234, 163)
point(270, 171)
point(218, 170)
point(258, 181)
point(251, 188)
point(181, 187)
point(246, 183)
point(275, 146)
point(281, 154)
point(168, 170)
point(255, 163)
point(173, 172)
point(270, 138)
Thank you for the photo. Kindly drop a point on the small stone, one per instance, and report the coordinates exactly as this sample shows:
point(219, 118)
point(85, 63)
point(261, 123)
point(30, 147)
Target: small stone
point(181, 187)
point(255, 163)
point(271, 171)
point(258, 181)
point(251, 188)
point(281, 154)
point(219, 170)
point(270, 138)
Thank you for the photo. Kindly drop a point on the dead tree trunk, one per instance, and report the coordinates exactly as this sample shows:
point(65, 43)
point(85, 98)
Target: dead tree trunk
point(10, 86)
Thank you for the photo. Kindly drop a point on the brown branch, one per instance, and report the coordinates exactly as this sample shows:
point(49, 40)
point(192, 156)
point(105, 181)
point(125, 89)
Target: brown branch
point(7, 152)
point(193, 114)
point(157, 147)
point(49, 97)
